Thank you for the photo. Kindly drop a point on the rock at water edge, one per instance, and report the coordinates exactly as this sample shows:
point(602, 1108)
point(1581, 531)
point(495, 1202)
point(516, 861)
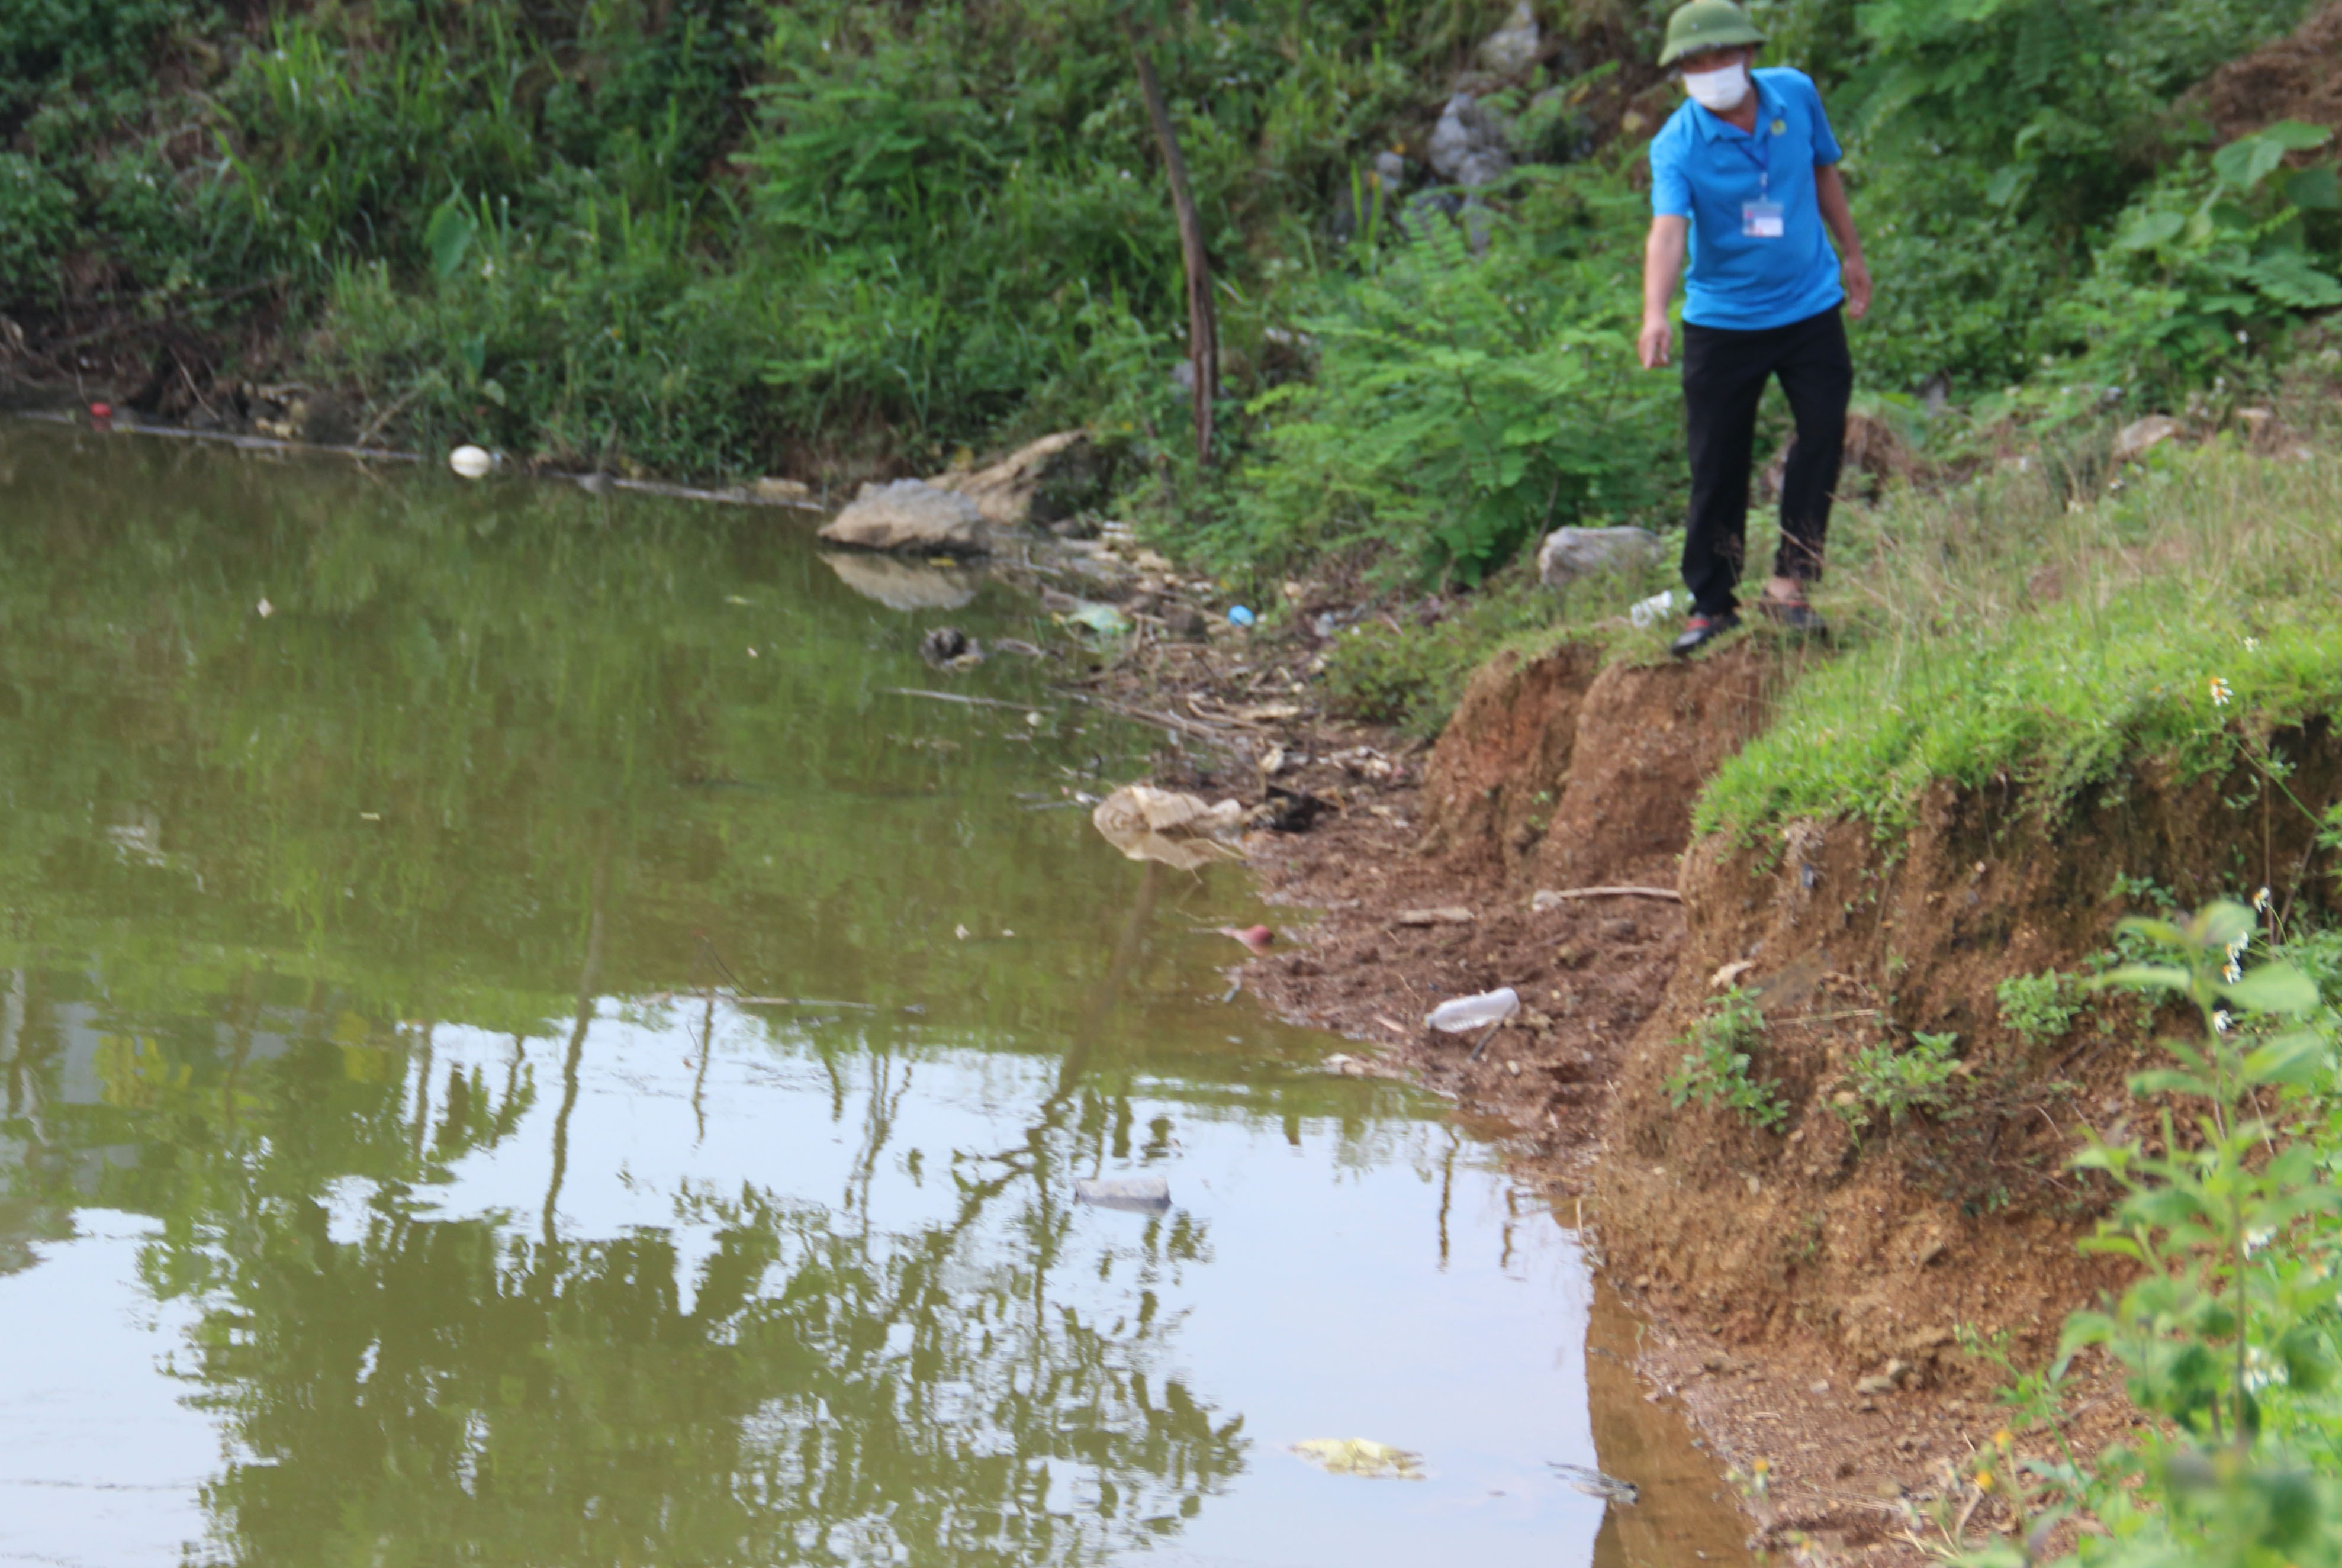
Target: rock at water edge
point(1039, 483)
point(910, 515)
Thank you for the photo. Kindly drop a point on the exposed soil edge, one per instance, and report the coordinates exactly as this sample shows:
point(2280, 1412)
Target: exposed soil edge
point(1768, 1303)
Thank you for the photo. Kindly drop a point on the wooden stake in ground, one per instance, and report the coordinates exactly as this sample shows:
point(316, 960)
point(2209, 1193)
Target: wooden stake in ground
point(1203, 320)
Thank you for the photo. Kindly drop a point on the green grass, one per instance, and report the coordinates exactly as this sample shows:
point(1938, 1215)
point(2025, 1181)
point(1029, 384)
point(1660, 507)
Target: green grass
point(2027, 628)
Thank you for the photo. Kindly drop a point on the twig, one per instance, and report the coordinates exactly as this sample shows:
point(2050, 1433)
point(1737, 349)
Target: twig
point(1160, 721)
point(800, 1002)
point(1668, 893)
point(1831, 1017)
point(371, 431)
point(956, 697)
point(1486, 1035)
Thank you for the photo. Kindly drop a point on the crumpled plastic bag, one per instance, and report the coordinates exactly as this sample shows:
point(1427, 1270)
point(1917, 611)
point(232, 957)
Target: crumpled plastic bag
point(1360, 1456)
point(1177, 829)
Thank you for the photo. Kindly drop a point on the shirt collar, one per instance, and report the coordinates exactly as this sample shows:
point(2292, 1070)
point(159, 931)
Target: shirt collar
point(1713, 124)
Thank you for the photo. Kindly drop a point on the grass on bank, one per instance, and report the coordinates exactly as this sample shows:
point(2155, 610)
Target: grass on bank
point(2055, 631)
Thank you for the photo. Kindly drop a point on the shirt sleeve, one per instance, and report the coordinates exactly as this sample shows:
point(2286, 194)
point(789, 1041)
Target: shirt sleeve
point(1670, 186)
point(1826, 148)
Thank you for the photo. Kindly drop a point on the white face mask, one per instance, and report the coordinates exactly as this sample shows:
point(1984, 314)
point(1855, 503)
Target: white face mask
point(1718, 90)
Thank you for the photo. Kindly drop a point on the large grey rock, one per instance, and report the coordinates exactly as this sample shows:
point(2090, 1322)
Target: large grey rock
point(1512, 48)
point(1468, 146)
point(1569, 554)
point(910, 515)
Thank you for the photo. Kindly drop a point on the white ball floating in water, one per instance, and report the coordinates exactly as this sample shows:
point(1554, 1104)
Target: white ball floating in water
point(470, 461)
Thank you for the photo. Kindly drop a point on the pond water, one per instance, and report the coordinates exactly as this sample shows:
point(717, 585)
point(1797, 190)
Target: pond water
point(518, 1046)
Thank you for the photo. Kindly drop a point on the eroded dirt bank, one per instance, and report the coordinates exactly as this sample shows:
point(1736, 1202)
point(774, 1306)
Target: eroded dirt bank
point(1822, 1296)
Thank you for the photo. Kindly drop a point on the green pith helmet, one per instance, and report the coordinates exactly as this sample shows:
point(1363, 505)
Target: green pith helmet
point(1706, 24)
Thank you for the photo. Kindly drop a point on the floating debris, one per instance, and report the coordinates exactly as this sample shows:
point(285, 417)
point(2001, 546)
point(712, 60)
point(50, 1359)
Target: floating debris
point(1103, 619)
point(471, 462)
point(1133, 1194)
point(1360, 1456)
point(1178, 830)
point(1594, 1484)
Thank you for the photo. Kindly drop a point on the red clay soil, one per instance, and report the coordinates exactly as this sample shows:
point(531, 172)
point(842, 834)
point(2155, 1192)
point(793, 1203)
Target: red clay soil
point(1817, 1295)
point(2296, 78)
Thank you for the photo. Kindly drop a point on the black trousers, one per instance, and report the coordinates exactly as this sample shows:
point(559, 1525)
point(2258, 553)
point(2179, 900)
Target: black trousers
point(1724, 376)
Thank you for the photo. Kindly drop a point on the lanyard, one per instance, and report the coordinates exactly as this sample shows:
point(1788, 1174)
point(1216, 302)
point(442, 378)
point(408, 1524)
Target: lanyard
point(1758, 150)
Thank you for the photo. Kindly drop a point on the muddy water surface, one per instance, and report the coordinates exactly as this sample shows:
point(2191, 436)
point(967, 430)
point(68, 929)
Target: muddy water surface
point(518, 1046)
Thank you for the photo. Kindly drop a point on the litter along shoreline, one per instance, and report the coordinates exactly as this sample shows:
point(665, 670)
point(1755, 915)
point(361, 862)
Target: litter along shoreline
point(1390, 924)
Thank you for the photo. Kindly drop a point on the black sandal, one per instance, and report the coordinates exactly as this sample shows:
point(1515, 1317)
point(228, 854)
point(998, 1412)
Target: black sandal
point(1702, 630)
point(1794, 616)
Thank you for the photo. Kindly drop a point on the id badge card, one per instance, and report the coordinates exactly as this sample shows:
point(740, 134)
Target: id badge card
point(1761, 220)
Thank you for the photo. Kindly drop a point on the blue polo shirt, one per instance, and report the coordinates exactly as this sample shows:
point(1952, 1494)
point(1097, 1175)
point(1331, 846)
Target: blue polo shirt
point(1707, 169)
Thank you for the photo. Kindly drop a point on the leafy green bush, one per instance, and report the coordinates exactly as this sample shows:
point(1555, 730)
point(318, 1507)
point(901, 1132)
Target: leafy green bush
point(1893, 1084)
point(47, 45)
point(36, 223)
point(2226, 1337)
point(2212, 257)
point(1465, 403)
point(1404, 672)
point(1714, 1071)
point(2039, 1007)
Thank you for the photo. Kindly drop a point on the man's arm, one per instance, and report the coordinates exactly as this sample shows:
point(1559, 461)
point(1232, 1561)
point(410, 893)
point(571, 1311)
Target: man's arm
point(1662, 259)
point(1829, 191)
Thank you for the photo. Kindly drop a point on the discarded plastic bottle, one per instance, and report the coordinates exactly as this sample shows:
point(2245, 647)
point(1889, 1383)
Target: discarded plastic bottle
point(1135, 1194)
point(1463, 1015)
point(1240, 616)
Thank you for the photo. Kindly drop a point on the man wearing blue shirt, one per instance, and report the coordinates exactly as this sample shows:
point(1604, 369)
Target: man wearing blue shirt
point(1744, 178)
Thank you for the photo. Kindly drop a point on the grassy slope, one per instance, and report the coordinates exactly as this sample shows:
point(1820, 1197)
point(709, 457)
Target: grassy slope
point(2181, 609)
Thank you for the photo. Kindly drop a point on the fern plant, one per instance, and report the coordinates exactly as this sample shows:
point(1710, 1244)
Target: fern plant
point(1463, 403)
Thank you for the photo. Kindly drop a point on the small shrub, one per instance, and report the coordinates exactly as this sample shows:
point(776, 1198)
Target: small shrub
point(2224, 1334)
point(37, 222)
point(1411, 675)
point(2039, 1007)
point(1893, 1084)
point(1714, 1071)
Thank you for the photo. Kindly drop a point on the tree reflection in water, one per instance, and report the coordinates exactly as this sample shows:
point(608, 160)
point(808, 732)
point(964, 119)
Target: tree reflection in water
point(490, 761)
point(433, 1389)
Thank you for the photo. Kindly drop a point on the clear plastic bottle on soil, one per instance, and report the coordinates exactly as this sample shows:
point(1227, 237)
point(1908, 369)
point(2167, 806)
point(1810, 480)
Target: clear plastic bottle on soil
point(1465, 1013)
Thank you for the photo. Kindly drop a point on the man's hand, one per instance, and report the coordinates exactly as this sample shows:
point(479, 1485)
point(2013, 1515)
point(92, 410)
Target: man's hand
point(1657, 337)
point(1662, 259)
point(1856, 276)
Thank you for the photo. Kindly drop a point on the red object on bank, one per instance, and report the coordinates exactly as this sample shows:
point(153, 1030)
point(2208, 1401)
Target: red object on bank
point(101, 413)
point(1259, 938)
